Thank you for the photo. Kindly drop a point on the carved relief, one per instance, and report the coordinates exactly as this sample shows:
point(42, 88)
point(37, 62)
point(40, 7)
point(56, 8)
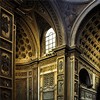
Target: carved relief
point(76, 66)
point(5, 44)
point(60, 66)
point(86, 94)
point(30, 88)
point(5, 95)
point(60, 77)
point(60, 88)
point(82, 95)
point(47, 61)
point(70, 16)
point(60, 80)
point(6, 27)
point(5, 64)
point(60, 98)
point(21, 74)
point(48, 95)
point(48, 68)
point(30, 73)
point(5, 82)
point(48, 80)
point(76, 87)
point(6, 52)
point(96, 82)
point(73, 8)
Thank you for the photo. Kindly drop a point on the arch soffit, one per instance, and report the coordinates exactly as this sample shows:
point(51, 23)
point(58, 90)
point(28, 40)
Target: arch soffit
point(79, 20)
point(31, 35)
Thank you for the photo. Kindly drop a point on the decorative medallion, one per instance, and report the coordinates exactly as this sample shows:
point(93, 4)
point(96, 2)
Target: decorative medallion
point(5, 25)
point(5, 64)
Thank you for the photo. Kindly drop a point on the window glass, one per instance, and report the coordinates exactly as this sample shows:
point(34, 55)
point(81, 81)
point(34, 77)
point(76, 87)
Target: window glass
point(50, 40)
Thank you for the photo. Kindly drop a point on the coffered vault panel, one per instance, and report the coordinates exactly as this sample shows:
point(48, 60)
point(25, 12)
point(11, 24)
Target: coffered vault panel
point(24, 52)
point(90, 39)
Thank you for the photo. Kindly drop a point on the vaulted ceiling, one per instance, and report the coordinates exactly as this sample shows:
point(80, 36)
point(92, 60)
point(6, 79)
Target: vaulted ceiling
point(89, 36)
point(89, 41)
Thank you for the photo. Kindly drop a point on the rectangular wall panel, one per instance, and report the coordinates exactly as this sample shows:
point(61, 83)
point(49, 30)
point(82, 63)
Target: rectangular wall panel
point(6, 54)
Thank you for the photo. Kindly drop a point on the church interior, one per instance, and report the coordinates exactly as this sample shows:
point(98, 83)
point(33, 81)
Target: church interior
point(49, 49)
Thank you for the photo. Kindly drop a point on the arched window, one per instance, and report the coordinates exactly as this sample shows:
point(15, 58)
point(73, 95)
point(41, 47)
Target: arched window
point(50, 40)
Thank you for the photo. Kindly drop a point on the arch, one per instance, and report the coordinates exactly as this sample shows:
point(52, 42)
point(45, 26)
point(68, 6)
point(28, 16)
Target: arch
point(27, 44)
point(34, 35)
point(50, 12)
point(53, 11)
point(84, 77)
point(79, 19)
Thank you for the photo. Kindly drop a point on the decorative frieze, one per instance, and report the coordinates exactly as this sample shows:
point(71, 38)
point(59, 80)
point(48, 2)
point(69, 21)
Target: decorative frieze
point(86, 94)
point(21, 74)
point(48, 68)
point(47, 60)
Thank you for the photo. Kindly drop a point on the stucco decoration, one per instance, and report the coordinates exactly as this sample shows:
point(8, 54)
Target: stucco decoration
point(70, 9)
point(25, 52)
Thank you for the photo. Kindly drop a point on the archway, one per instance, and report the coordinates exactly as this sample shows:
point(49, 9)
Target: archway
point(87, 40)
point(79, 19)
point(84, 78)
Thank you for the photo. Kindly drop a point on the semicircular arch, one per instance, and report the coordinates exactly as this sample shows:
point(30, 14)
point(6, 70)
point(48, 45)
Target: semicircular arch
point(26, 43)
point(80, 18)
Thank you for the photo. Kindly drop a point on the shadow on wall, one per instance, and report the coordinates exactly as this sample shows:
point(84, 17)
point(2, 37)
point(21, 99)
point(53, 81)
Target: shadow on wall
point(98, 92)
